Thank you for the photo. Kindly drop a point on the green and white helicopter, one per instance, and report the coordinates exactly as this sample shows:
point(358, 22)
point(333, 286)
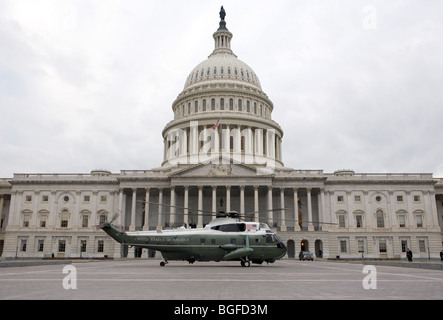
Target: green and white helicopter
point(226, 238)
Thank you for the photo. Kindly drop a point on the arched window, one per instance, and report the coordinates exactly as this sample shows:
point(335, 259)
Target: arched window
point(380, 219)
point(222, 104)
point(231, 104)
point(212, 104)
point(204, 104)
point(240, 106)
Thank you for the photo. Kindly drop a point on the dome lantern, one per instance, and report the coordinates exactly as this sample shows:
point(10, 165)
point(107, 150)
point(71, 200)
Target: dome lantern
point(222, 36)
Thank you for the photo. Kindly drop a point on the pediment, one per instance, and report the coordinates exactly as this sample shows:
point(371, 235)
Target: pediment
point(217, 170)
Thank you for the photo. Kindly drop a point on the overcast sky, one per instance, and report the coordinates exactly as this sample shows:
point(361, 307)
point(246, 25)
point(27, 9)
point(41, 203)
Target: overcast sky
point(89, 84)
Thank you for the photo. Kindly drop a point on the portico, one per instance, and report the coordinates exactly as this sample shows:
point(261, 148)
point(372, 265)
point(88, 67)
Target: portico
point(192, 197)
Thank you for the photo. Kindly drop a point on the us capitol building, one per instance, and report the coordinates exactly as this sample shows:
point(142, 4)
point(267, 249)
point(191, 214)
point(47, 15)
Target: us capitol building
point(222, 152)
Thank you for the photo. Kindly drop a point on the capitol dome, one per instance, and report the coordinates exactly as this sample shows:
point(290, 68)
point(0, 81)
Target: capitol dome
point(223, 66)
point(222, 107)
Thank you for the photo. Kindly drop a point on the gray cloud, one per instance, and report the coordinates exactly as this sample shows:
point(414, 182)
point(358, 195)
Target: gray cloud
point(87, 85)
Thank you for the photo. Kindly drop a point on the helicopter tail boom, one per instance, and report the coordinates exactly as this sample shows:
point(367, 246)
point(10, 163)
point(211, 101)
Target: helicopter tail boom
point(116, 234)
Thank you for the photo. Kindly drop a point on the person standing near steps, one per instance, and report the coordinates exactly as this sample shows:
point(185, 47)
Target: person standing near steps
point(409, 255)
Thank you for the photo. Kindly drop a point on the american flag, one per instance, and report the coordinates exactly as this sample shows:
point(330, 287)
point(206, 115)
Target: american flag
point(217, 123)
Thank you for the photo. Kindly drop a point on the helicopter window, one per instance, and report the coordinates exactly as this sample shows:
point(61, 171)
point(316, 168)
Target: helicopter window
point(269, 238)
point(257, 241)
point(233, 241)
point(231, 227)
point(202, 240)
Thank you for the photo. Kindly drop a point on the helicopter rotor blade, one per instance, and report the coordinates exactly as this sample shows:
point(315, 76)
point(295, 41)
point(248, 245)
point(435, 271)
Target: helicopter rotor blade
point(241, 216)
point(115, 216)
point(204, 212)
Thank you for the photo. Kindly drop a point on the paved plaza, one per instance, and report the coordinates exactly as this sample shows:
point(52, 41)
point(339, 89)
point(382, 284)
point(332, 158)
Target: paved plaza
point(283, 280)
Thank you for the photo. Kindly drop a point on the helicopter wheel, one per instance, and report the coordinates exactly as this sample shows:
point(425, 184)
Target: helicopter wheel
point(245, 263)
point(163, 263)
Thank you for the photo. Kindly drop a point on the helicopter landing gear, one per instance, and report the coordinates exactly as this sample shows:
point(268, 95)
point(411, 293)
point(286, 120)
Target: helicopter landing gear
point(163, 263)
point(245, 263)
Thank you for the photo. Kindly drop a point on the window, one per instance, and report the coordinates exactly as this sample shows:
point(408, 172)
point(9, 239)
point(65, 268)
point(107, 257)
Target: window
point(83, 244)
point(101, 246)
point(85, 219)
point(416, 198)
point(404, 245)
point(343, 246)
point(419, 219)
point(231, 104)
point(399, 198)
point(61, 245)
point(28, 198)
point(202, 240)
point(196, 106)
point(359, 221)
point(380, 219)
point(86, 198)
point(222, 104)
point(382, 246)
point(26, 219)
point(361, 245)
point(357, 198)
point(40, 245)
point(340, 199)
point(45, 198)
point(341, 221)
point(102, 218)
point(103, 198)
point(402, 220)
point(248, 106)
point(43, 221)
point(422, 245)
point(212, 104)
point(23, 244)
point(240, 106)
point(64, 217)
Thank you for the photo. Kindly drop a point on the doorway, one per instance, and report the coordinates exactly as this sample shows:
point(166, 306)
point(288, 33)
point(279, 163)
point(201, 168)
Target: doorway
point(304, 245)
point(319, 248)
point(291, 248)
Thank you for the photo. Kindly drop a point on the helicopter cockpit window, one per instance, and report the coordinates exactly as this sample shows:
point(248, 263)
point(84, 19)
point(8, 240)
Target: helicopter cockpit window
point(230, 227)
point(272, 238)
